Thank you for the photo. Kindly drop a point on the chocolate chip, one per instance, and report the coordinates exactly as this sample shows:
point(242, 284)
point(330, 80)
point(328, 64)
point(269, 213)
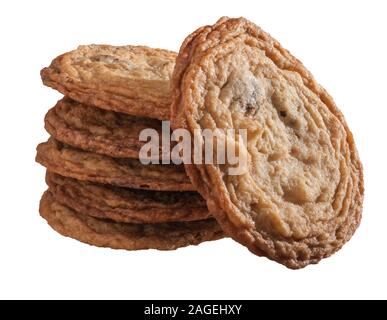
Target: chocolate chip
point(251, 110)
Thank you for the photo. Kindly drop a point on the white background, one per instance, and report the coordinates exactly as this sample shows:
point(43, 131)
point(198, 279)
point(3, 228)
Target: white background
point(343, 43)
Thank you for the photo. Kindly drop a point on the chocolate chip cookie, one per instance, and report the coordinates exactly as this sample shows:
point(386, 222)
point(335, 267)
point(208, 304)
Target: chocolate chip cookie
point(115, 235)
point(127, 205)
point(124, 172)
point(96, 130)
point(129, 79)
point(300, 196)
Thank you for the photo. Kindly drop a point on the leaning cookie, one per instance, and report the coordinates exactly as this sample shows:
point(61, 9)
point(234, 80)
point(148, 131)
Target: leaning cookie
point(105, 233)
point(97, 130)
point(129, 79)
point(124, 172)
point(127, 205)
point(298, 198)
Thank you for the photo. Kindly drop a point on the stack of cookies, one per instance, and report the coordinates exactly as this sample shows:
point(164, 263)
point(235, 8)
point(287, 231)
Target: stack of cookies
point(99, 191)
point(297, 197)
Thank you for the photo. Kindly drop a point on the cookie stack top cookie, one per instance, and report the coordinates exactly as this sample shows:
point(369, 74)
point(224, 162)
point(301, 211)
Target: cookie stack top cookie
point(129, 79)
